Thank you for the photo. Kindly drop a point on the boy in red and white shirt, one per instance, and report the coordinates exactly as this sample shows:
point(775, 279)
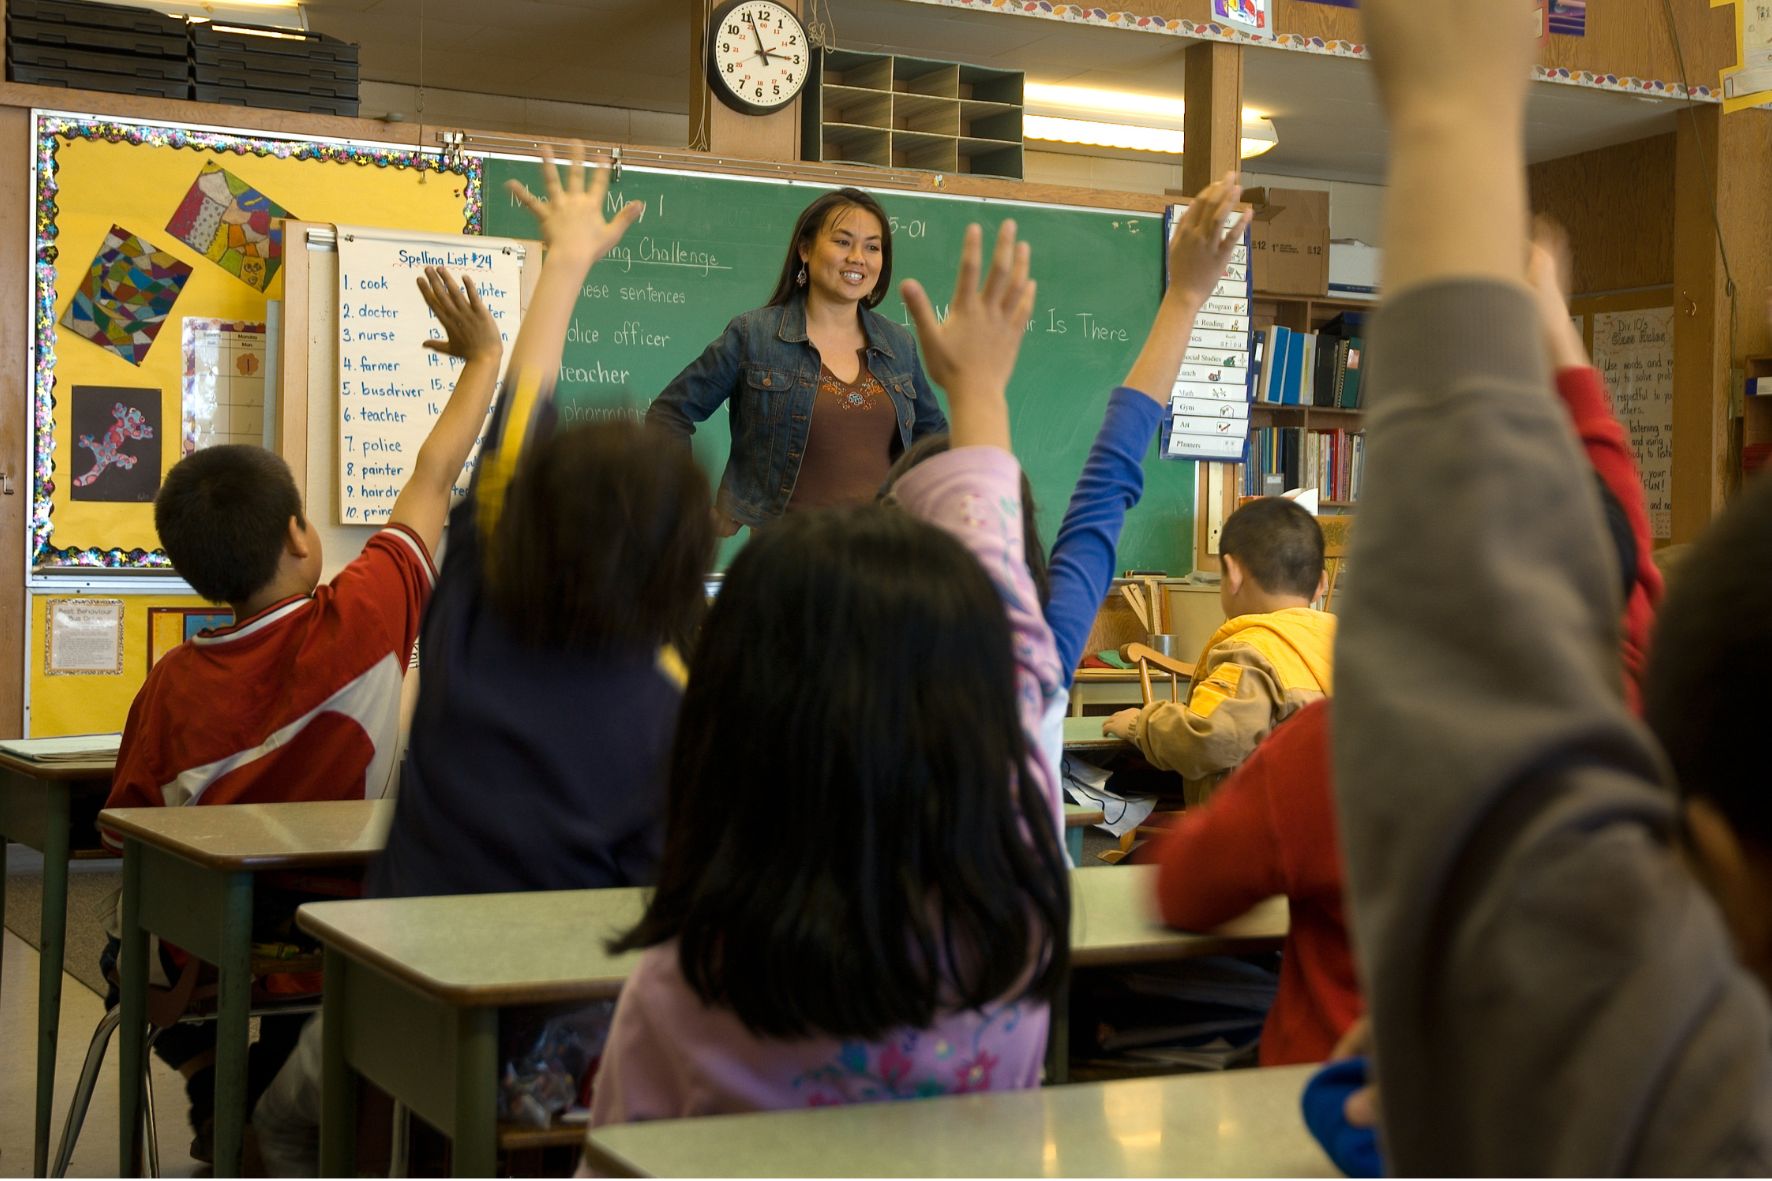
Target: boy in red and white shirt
point(300, 698)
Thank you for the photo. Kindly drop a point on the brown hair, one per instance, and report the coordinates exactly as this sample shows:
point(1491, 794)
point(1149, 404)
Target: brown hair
point(604, 542)
point(814, 218)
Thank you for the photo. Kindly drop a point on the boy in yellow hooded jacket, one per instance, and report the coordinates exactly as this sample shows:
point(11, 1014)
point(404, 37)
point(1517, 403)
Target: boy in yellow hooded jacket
point(1271, 657)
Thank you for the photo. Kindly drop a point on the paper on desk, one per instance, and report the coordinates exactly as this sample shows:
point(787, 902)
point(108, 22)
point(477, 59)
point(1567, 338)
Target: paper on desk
point(1086, 784)
point(72, 749)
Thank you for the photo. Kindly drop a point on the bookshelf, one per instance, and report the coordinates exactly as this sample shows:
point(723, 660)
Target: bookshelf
point(905, 112)
point(1308, 314)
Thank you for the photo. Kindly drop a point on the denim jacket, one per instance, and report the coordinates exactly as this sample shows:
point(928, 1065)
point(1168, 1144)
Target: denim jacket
point(767, 367)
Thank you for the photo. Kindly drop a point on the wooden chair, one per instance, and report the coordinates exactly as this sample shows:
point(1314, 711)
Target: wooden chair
point(1336, 532)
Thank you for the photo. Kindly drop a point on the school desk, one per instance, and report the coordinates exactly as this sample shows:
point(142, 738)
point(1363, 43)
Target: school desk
point(38, 803)
point(1084, 736)
point(1221, 1124)
point(414, 987)
point(188, 876)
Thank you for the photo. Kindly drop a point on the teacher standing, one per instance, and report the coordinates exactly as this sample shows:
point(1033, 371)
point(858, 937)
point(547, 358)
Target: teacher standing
point(824, 392)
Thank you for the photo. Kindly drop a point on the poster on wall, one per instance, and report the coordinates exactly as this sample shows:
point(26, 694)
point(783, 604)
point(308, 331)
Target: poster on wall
point(224, 384)
point(85, 638)
point(1634, 352)
point(117, 429)
point(1749, 82)
point(126, 296)
point(1253, 16)
point(168, 627)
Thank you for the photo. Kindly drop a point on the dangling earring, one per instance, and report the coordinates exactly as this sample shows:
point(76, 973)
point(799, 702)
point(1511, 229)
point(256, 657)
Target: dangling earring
point(801, 277)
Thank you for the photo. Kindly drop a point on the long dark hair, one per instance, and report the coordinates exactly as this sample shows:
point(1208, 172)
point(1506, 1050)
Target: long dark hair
point(1032, 548)
point(813, 218)
point(856, 841)
point(604, 541)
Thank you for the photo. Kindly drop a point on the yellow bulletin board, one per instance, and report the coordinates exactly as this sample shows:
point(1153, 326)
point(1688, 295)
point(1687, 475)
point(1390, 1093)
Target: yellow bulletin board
point(121, 209)
point(97, 703)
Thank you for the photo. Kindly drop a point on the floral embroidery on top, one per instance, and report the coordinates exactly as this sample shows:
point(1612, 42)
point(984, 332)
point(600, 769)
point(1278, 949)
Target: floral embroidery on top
point(861, 394)
point(912, 1065)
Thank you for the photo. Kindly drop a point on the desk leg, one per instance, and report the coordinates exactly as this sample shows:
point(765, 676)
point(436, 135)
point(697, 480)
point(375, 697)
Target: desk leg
point(49, 968)
point(1058, 1037)
point(232, 1017)
point(476, 1093)
point(338, 1081)
point(132, 1032)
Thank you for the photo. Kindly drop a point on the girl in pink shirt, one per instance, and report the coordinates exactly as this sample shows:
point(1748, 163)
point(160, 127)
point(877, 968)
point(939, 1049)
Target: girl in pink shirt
point(863, 893)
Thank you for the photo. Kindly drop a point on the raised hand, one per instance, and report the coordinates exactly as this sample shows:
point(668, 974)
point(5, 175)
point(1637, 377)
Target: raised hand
point(570, 216)
point(971, 354)
point(1451, 58)
point(472, 332)
point(1549, 267)
point(1200, 249)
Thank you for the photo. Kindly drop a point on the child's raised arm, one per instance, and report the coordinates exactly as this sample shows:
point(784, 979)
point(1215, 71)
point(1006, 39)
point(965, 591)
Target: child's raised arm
point(472, 335)
point(574, 235)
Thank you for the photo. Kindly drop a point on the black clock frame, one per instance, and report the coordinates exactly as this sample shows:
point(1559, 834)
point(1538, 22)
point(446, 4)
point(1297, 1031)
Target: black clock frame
point(717, 83)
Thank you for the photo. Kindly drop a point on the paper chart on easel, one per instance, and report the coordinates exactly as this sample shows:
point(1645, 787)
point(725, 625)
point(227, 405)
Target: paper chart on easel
point(391, 389)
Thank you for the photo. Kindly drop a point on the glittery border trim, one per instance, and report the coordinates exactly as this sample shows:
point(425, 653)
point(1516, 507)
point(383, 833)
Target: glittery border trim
point(1213, 31)
point(51, 128)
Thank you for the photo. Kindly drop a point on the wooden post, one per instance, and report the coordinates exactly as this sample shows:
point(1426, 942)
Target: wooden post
point(715, 127)
point(1213, 134)
point(1730, 157)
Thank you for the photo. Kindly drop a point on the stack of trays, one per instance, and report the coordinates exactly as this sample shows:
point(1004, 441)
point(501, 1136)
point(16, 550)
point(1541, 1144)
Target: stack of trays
point(96, 47)
point(278, 68)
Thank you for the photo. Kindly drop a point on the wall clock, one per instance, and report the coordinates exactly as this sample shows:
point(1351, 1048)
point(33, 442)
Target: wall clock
point(758, 58)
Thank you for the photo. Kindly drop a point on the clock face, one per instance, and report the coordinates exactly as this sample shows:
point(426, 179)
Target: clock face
point(758, 58)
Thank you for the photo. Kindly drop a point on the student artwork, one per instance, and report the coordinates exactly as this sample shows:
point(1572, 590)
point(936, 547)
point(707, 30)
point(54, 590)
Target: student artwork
point(1250, 14)
point(126, 296)
point(233, 225)
point(117, 443)
point(1748, 83)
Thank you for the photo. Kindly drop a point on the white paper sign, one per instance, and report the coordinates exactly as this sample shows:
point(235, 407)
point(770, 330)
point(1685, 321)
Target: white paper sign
point(1634, 352)
point(392, 388)
point(85, 638)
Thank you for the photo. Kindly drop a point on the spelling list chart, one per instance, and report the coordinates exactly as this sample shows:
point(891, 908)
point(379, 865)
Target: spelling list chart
point(391, 388)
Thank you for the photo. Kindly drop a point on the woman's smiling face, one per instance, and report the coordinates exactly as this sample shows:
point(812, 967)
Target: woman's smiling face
point(843, 259)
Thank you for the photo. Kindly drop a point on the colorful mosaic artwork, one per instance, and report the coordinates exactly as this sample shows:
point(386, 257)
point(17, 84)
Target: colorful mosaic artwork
point(232, 224)
point(126, 295)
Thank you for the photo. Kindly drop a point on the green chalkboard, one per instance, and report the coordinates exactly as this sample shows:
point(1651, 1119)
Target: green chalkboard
point(710, 247)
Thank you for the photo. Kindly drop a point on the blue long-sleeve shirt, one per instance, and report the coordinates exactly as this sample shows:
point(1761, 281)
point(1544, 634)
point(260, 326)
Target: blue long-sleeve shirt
point(1082, 565)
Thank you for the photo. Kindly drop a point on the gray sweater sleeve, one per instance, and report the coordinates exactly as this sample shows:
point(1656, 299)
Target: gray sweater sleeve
point(1551, 992)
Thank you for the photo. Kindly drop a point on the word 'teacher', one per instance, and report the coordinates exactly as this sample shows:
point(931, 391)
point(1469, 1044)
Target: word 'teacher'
point(391, 388)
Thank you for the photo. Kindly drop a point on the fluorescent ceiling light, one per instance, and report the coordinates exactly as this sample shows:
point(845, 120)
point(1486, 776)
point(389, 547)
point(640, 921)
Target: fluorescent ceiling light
point(1123, 120)
point(1258, 135)
point(284, 13)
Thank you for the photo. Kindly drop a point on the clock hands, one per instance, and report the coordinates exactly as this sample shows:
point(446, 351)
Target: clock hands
point(758, 34)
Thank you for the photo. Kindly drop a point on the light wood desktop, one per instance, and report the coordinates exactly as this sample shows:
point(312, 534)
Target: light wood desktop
point(188, 877)
point(414, 987)
point(1226, 1124)
point(38, 803)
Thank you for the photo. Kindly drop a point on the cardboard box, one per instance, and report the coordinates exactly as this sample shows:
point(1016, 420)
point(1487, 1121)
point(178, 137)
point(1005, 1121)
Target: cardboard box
point(1289, 241)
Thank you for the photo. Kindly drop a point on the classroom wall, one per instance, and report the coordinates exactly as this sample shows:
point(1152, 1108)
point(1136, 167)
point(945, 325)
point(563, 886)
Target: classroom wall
point(1618, 206)
point(521, 116)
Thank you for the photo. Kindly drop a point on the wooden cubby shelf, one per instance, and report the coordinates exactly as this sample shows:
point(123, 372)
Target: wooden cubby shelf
point(912, 113)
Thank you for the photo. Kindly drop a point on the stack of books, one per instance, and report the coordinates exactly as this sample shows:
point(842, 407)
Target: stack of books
point(1281, 458)
point(1320, 369)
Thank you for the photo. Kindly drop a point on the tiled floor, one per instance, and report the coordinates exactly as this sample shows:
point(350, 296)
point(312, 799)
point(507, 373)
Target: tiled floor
point(96, 1155)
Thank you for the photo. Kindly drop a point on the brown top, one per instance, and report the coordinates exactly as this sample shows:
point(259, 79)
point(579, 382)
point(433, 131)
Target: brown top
point(310, 835)
point(848, 443)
